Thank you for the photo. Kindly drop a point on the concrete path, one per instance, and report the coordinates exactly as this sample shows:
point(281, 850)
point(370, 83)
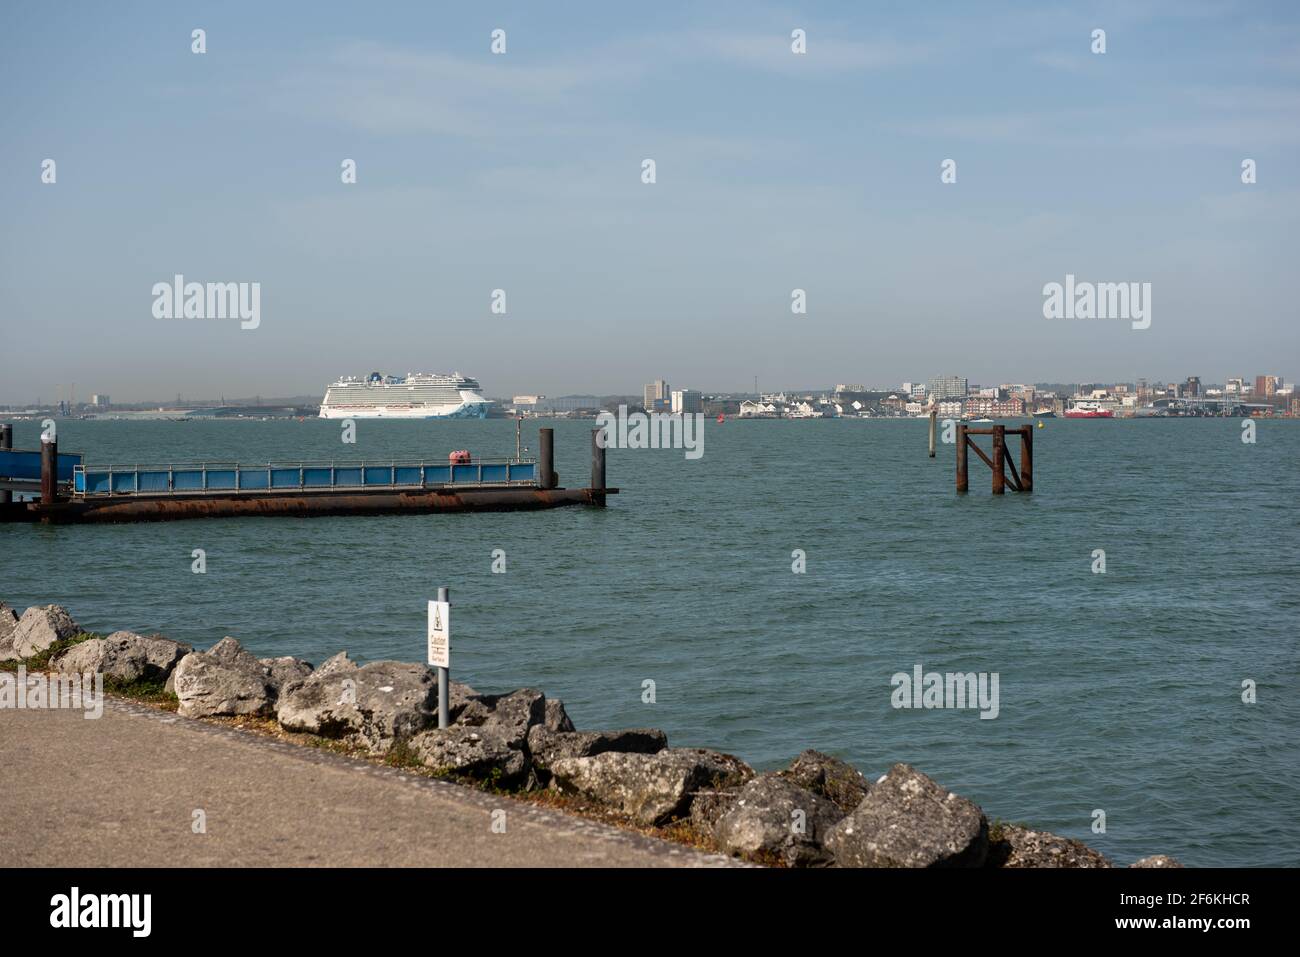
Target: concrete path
point(122, 790)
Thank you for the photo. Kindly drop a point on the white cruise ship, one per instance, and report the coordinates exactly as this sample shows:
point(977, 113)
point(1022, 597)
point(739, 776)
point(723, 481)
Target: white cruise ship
point(417, 395)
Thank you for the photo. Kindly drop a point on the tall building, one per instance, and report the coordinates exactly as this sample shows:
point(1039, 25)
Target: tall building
point(657, 392)
point(688, 401)
point(99, 400)
point(947, 387)
point(1192, 387)
point(1265, 386)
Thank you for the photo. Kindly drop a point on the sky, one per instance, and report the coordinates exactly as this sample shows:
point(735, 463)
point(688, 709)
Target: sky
point(523, 172)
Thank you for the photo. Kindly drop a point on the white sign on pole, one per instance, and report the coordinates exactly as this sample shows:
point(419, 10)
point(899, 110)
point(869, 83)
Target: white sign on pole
point(440, 634)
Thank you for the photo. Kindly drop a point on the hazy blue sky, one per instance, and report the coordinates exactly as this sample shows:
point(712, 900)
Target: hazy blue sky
point(522, 172)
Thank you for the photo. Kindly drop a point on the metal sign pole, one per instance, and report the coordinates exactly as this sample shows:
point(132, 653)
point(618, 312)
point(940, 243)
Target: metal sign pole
point(444, 674)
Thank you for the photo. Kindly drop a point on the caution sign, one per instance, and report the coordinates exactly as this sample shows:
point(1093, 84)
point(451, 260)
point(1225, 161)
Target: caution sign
point(440, 634)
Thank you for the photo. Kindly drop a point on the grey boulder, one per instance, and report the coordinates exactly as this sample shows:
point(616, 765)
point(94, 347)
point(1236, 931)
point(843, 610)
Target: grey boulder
point(1156, 860)
point(774, 818)
point(708, 807)
point(287, 672)
point(371, 706)
point(123, 655)
point(8, 622)
point(828, 777)
point(37, 629)
point(649, 788)
point(557, 719)
point(480, 752)
point(513, 714)
point(1013, 846)
point(547, 747)
point(224, 680)
point(910, 821)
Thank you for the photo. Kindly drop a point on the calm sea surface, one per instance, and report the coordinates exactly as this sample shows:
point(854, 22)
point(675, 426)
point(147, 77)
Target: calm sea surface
point(1118, 691)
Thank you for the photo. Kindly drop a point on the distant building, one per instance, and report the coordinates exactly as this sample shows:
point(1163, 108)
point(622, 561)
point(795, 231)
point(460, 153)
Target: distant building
point(917, 391)
point(1192, 387)
point(570, 403)
point(688, 401)
point(850, 387)
point(948, 387)
point(1265, 386)
point(950, 408)
point(1234, 387)
point(99, 401)
point(657, 391)
point(993, 407)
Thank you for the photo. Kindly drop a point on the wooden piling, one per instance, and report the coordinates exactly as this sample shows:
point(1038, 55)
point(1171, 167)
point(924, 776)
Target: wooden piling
point(49, 471)
point(962, 477)
point(1027, 458)
point(934, 423)
point(598, 466)
point(999, 459)
point(546, 475)
point(6, 442)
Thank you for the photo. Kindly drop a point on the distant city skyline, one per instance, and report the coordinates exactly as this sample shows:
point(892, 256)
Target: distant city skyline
point(392, 195)
point(1203, 382)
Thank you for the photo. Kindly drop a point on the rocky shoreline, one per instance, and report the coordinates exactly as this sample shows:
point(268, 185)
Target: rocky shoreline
point(819, 811)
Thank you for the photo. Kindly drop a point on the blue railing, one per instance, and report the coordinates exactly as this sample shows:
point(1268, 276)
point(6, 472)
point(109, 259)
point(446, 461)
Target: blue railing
point(228, 477)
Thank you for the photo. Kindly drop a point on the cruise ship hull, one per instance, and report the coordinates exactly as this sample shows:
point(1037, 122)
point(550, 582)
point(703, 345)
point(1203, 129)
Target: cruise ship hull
point(466, 410)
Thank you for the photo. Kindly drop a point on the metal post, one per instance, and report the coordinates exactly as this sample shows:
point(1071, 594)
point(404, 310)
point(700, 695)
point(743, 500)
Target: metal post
point(999, 459)
point(961, 457)
point(1027, 459)
point(519, 421)
point(6, 442)
point(934, 424)
point(49, 471)
point(546, 477)
point(444, 677)
point(598, 465)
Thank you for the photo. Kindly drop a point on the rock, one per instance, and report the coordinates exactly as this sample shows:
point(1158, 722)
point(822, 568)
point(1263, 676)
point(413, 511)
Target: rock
point(709, 806)
point(371, 706)
point(123, 655)
point(557, 719)
point(340, 663)
point(772, 817)
point(461, 695)
point(910, 821)
point(38, 628)
point(483, 752)
point(224, 680)
point(1156, 860)
point(650, 788)
point(547, 747)
point(8, 623)
point(287, 673)
point(1013, 846)
point(513, 713)
point(828, 777)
